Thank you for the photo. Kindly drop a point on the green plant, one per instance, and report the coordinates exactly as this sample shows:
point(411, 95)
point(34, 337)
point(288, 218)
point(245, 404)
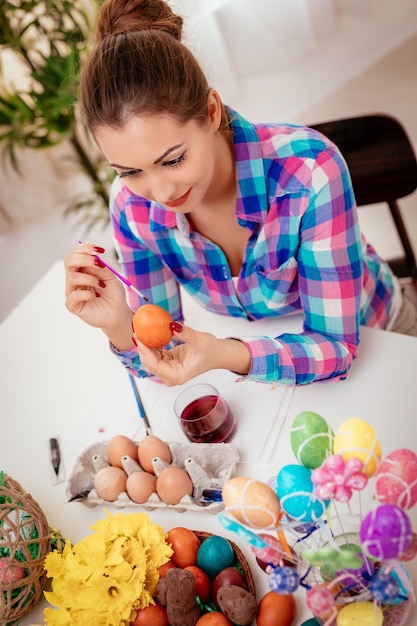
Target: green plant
point(50, 38)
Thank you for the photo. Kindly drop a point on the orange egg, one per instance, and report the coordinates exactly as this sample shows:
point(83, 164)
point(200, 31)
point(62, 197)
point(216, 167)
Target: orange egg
point(185, 544)
point(164, 569)
point(172, 484)
point(152, 325)
point(152, 615)
point(275, 609)
point(213, 618)
point(120, 446)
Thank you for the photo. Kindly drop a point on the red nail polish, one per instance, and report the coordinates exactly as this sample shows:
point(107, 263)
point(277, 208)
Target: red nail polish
point(134, 341)
point(176, 327)
point(99, 263)
point(97, 294)
point(99, 249)
point(101, 283)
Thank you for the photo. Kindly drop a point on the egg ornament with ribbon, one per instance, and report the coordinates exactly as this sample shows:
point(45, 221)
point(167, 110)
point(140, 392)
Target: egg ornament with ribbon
point(251, 502)
point(385, 532)
point(295, 491)
point(396, 479)
point(355, 438)
point(311, 439)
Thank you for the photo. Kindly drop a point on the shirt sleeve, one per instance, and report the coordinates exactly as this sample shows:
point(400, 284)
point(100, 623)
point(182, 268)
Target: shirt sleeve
point(330, 284)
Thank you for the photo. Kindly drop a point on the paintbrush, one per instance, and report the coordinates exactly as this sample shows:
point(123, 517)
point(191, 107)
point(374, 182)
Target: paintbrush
point(120, 277)
point(140, 405)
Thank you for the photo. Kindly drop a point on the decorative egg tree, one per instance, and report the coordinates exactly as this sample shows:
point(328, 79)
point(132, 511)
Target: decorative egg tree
point(351, 563)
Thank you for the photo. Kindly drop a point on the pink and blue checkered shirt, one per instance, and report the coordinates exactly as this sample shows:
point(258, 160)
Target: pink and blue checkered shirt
point(305, 254)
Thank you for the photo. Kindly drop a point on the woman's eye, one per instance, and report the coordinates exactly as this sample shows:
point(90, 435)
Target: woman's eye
point(129, 174)
point(175, 162)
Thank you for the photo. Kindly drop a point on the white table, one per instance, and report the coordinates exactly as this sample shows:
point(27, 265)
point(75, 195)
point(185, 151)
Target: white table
point(60, 379)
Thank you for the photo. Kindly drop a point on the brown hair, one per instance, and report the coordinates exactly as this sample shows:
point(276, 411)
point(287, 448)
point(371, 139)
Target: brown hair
point(140, 67)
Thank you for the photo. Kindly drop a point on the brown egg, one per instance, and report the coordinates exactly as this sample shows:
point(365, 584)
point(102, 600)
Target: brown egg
point(151, 447)
point(110, 482)
point(238, 604)
point(172, 484)
point(140, 486)
point(120, 446)
point(152, 325)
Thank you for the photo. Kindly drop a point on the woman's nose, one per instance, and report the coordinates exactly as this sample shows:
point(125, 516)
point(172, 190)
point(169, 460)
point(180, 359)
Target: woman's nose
point(161, 190)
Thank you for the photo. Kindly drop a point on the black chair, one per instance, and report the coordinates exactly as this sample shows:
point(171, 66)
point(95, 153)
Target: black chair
point(383, 168)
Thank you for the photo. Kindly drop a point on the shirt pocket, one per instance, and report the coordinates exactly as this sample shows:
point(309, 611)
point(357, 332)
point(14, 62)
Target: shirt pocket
point(279, 286)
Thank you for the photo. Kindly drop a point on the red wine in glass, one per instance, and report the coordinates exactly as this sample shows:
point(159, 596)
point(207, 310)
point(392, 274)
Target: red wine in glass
point(208, 420)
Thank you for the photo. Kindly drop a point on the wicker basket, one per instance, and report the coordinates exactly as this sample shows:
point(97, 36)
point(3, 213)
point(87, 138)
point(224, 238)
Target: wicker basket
point(240, 559)
point(24, 543)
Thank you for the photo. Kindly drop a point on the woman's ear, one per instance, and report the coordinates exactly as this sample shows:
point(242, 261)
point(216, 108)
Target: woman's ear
point(214, 108)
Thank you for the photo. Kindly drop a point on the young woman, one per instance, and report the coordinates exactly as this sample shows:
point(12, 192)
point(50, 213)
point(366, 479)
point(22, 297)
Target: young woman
point(253, 220)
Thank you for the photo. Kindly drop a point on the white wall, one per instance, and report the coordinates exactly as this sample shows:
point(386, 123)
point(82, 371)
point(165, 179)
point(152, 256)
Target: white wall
point(33, 229)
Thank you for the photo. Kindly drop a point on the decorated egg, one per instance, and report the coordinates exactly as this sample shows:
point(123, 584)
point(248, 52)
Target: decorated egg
point(396, 479)
point(321, 600)
point(354, 578)
point(251, 502)
point(284, 580)
point(239, 605)
point(214, 555)
point(385, 532)
point(411, 550)
point(363, 613)
point(355, 438)
point(295, 491)
point(311, 439)
point(152, 325)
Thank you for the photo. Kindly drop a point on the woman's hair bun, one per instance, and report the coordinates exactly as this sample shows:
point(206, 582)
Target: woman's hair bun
point(124, 16)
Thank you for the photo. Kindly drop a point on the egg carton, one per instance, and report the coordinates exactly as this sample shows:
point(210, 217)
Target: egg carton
point(213, 465)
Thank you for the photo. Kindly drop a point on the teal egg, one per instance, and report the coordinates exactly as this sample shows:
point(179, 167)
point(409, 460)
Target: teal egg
point(295, 491)
point(215, 554)
point(311, 439)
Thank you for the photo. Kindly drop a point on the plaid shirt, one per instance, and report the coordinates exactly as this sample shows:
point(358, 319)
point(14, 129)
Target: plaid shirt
point(305, 254)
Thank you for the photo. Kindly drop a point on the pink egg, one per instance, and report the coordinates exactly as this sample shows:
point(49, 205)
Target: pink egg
point(9, 571)
point(396, 479)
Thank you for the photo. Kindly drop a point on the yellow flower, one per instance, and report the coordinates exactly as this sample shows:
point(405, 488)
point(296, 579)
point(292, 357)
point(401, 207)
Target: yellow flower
point(106, 576)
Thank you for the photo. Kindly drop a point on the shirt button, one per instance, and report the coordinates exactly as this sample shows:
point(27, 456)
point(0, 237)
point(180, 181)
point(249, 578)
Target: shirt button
point(225, 272)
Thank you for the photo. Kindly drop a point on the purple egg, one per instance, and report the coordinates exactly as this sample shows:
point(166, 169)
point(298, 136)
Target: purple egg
point(385, 532)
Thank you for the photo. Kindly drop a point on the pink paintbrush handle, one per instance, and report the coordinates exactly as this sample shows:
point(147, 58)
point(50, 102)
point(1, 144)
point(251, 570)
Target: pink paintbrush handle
point(120, 277)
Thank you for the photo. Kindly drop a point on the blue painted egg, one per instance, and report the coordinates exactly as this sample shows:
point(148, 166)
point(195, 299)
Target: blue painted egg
point(215, 554)
point(295, 491)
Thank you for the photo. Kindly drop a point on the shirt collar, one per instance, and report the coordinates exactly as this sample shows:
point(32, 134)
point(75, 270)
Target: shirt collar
point(252, 199)
point(252, 203)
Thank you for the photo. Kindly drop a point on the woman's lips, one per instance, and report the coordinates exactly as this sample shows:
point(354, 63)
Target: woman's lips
point(179, 201)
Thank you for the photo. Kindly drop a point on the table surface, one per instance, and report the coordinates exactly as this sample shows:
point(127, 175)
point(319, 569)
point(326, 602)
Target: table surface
point(59, 379)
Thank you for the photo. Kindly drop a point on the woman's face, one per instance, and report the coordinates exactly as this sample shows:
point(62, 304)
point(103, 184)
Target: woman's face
point(161, 160)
